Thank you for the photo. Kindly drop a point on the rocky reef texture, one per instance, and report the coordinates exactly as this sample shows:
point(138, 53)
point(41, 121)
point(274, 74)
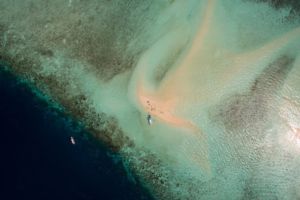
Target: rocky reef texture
point(219, 78)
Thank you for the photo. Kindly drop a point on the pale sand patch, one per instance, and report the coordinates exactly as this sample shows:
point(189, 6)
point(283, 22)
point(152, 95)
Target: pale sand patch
point(199, 78)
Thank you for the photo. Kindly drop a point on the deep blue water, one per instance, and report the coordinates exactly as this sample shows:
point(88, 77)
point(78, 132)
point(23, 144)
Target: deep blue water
point(38, 160)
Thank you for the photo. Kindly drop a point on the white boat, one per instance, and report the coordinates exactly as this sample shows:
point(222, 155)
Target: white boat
point(149, 119)
point(72, 140)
